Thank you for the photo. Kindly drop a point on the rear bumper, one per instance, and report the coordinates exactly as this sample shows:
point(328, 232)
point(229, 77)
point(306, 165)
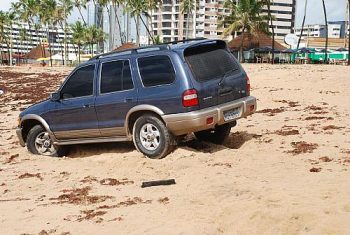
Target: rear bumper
point(20, 137)
point(184, 123)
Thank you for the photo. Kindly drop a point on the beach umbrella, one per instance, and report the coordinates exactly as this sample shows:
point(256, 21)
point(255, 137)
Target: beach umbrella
point(289, 51)
point(342, 49)
point(42, 59)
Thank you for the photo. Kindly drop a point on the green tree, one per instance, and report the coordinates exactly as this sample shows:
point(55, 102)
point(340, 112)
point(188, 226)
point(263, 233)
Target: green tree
point(188, 7)
point(80, 5)
point(78, 36)
point(245, 16)
point(93, 35)
point(137, 8)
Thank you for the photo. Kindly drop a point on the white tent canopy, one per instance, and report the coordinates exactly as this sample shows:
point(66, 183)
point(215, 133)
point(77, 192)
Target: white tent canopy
point(71, 57)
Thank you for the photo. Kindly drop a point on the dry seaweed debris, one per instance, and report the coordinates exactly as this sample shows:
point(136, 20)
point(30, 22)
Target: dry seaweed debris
point(302, 147)
point(128, 202)
point(79, 196)
point(114, 182)
point(29, 175)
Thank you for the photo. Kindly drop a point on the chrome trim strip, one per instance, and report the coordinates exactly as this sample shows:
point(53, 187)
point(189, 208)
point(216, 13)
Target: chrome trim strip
point(92, 140)
point(113, 131)
point(73, 134)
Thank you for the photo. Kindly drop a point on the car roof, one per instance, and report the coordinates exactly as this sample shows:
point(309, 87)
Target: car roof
point(178, 46)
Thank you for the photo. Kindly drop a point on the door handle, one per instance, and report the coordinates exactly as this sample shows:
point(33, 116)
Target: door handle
point(86, 106)
point(127, 100)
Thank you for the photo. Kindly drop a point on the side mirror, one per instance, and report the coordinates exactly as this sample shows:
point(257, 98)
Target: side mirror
point(55, 96)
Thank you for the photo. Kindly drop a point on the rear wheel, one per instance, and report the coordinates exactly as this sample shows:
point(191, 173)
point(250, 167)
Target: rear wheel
point(217, 135)
point(152, 138)
point(40, 143)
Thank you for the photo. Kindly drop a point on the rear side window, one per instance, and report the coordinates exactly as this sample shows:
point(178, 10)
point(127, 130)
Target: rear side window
point(116, 76)
point(156, 70)
point(210, 62)
point(80, 83)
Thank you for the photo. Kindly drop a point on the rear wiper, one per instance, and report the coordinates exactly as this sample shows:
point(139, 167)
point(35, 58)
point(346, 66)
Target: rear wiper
point(222, 80)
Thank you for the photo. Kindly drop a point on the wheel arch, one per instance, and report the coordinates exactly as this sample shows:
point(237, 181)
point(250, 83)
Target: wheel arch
point(137, 112)
point(29, 121)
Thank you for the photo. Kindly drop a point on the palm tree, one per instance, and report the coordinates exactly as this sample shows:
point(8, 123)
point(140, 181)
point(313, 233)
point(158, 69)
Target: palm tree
point(93, 35)
point(326, 24)
point(65, 8)
point(188, 6)
point(78, 34)
point(302, 25)
point(245, 16)
point(115, 5)
point(81, 4)
point(268, 4)
point(46, 10)
point(27, 13)
point(137, 8)
point(151, 6)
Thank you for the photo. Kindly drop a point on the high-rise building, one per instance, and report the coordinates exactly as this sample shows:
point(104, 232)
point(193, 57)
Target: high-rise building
point(283, 12)
point(171, 24)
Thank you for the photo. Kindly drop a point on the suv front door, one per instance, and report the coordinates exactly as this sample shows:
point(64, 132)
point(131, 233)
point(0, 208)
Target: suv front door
point(116, 96)
point(74, 115)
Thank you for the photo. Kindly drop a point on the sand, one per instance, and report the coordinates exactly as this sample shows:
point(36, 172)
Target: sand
point(284, 170)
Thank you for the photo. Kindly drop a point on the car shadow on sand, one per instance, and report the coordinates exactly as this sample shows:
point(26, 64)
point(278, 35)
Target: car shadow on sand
point(190, 142)
point(234, 141)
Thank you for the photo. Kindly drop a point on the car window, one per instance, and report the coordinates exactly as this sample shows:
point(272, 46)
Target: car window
point(210, 62)
point(116, 76)
point(156, 70)
point(80, 83)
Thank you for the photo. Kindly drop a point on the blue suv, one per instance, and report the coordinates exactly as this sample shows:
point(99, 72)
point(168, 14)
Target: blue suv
point(151, 95)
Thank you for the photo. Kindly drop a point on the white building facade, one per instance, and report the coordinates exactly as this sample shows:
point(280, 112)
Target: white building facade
point(22, 39)
point(170, 24)
point(335, 30)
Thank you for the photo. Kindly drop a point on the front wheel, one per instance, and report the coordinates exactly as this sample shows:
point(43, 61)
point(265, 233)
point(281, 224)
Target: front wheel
point(217, 135)
point(152, 138)
point(40, 143)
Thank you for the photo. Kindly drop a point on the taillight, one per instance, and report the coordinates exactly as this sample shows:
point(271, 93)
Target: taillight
point(248, 85)
point(190, 98)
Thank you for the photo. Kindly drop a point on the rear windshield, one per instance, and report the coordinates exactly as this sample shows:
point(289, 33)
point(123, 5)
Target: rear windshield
point(210, 62)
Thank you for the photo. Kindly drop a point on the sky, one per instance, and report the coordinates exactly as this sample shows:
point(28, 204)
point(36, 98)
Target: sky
point(336, 10)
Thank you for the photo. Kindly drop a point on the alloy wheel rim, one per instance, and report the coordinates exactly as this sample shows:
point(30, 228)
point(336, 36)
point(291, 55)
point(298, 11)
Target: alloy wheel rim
point(43, 144)
point(150, 137)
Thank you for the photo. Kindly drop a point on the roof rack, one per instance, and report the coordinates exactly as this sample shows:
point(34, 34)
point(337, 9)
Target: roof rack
point(162, 46)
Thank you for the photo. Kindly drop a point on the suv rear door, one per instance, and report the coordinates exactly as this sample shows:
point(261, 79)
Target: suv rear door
point(216, 74)
point(116, 96)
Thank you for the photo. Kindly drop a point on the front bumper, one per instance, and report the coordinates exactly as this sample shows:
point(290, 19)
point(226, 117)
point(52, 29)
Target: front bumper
point(184, 123)
point(20, 136)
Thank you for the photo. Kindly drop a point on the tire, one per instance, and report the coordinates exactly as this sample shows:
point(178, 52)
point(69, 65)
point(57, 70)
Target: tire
point(152, 138)
point(39, 134)
point(216, 136)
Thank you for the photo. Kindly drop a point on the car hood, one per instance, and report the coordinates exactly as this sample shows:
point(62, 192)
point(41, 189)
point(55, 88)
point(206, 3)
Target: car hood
point(37, 108)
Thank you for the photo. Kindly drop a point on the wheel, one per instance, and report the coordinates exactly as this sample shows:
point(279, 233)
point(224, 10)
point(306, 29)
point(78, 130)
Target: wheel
point(216, 136)
point(40, 143)
point(152, 138)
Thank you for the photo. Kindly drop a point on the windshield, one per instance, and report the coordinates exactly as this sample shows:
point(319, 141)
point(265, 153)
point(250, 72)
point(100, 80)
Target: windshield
point(210, 62)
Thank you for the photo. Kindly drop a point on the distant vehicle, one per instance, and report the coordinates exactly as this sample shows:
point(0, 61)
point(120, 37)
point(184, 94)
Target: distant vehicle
point(151, 95)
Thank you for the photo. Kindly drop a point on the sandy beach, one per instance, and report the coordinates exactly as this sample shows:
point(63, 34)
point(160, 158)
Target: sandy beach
point(284, 170)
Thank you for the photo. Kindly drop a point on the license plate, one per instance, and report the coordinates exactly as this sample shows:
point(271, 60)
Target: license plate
point(232, 114)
